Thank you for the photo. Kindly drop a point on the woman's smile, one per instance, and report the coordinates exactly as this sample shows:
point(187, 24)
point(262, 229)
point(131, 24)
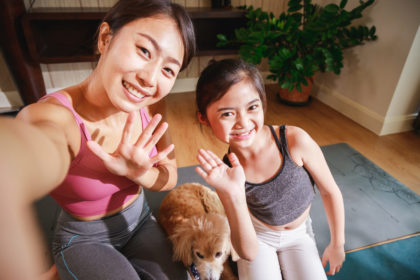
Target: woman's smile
point(138, 93)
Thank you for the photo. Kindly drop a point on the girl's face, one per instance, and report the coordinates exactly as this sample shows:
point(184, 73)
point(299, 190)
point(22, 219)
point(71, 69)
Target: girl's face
point(139, 64)
point(238, 116)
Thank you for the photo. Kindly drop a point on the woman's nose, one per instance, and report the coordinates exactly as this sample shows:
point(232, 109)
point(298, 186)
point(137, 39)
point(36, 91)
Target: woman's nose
point(148, 75)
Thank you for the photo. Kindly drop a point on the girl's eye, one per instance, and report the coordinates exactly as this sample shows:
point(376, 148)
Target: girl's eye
point(227, 114)
point(170, 72)
point(253, 107)
point(144, 51)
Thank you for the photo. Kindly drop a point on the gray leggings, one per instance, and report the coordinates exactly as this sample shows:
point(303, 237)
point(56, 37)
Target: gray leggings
point(128, 245)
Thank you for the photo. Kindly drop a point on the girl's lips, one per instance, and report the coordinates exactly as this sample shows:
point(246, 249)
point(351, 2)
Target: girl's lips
point(244, 135)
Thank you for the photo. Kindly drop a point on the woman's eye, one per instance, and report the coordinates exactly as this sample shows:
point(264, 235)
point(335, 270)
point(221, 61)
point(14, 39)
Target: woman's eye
point(144, 51)
point(199, 255)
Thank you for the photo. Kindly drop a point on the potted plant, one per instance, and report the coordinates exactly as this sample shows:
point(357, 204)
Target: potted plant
point(305, 39)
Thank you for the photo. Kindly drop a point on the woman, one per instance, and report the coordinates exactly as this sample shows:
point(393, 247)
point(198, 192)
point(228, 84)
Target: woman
point(94, 147)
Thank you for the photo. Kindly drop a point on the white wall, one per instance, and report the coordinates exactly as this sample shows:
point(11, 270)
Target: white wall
point(405, 102)
point(368, 82)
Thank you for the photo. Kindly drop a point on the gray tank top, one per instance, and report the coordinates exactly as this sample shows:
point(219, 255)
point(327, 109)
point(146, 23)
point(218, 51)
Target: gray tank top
point(283, 198)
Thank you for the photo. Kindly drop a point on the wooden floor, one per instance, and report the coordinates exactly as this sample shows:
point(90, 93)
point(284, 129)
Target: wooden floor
point(398, 154)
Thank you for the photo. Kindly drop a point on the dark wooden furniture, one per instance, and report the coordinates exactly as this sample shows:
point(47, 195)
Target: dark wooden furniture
point(61, 35)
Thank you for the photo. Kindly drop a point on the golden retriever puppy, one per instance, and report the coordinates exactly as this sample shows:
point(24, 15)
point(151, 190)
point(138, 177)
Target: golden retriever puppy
point(194, 219)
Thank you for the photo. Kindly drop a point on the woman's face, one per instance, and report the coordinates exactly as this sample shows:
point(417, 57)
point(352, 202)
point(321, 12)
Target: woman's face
point(139, 63)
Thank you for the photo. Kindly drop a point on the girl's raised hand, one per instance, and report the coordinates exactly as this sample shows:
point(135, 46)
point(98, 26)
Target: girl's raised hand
point(133, 160)
point(216, 173)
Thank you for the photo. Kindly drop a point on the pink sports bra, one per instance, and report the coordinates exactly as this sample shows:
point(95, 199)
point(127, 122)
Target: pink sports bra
point(89, 188)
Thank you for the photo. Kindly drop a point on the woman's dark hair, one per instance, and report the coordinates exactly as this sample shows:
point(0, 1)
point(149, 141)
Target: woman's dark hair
point(126, 11)
point(217, 78)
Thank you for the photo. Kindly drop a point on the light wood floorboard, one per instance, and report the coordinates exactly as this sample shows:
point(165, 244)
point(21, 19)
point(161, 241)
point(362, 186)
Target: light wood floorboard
point(398, 154)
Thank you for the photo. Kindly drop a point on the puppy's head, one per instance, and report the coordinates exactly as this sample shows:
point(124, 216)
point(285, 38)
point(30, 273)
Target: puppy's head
point(205, 241)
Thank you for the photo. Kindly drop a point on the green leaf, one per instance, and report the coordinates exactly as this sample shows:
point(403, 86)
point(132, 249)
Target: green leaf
point(299, 87)
point(299, 64)
point(331, 8)
point(286, 84)
point(343, 3)
point(221, 37)
point(372, 30)
point(294, 8)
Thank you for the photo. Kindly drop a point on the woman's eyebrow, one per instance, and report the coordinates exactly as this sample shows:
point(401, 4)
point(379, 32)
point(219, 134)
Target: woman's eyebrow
point(158, 48)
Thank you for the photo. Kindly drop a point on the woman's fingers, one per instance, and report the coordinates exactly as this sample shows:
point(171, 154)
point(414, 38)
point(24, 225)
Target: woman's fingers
point(162, 154)
point(128, 128)
point(97, 150)
point(157, 134)
point(147, 133)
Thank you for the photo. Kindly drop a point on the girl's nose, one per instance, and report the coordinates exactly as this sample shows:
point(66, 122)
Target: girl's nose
point(241, 120)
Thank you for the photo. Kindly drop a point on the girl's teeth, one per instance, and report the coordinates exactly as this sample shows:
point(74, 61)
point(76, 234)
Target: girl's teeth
point(132, 90)
point(242, 134)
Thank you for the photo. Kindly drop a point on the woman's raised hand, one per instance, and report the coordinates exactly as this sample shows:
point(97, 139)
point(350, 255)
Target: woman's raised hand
point(216, 173)
point(133, 160)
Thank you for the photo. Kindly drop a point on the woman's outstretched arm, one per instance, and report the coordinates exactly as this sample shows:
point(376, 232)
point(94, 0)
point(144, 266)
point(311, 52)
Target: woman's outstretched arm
point(34, 158)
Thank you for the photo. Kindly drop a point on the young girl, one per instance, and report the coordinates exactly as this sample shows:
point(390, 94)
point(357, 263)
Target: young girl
point(265, 181)
point(93, 147)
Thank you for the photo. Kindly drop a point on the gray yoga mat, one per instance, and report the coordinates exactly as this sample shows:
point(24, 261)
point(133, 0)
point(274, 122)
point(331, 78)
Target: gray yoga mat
point(377, 206)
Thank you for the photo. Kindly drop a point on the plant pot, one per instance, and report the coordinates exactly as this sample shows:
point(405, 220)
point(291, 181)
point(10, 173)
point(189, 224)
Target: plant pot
point(294, 97)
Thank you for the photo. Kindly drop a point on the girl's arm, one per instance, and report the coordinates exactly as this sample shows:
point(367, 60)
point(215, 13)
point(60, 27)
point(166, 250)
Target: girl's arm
point(303, 148)
point(34, 158)
point(157, 173)
point(230, 187)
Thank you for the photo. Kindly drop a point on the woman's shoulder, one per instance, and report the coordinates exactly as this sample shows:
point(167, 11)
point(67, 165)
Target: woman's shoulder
point(53, 107)
point(52, 111)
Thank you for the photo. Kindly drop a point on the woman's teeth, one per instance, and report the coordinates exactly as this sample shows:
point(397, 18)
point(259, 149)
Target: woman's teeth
point(132, 90)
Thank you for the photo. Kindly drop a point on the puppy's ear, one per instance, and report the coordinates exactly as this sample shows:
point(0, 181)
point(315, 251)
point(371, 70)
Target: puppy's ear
point(182, 243)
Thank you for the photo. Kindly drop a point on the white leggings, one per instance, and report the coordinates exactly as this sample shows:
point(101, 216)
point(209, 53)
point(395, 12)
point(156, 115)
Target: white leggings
point(287, 254)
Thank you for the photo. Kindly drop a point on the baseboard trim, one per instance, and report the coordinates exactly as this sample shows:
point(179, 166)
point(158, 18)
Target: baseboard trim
point(376, 123)
point(398, 124)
